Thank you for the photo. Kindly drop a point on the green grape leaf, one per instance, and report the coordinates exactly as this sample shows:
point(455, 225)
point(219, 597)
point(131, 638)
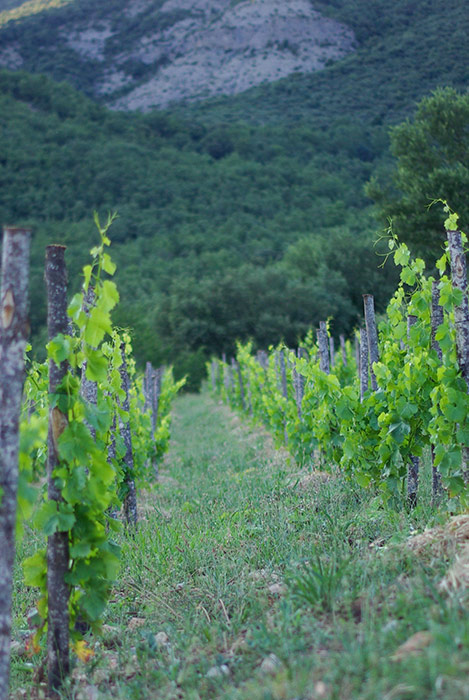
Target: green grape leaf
point(75, 442)
point(398, 431)
point(66, 517)
point(93, 604)
point(109, 296)
point(80, 549)
point(59, 348)
point(402, 255)
point(47, 518)
point(98, 416)
point(108, 265)
point(363, 479)
point(35, 569)
point(451, 223)
point(99, 323)
point(87, 272)
point(408, 276)
point(462, 435)
point(96, 365)
point(455, 485)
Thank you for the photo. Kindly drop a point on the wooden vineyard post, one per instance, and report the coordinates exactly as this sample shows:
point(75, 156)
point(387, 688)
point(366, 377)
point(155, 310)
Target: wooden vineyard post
point(248, 390)
point(213, 367)
point(342, 349)
point(357, 352)
point(58, 591)
point(148, 387)
point(461, 319)
point(151, 392)
point(323, 346)
point(130, 499)
point(156, 380)
point(226, 379)
point(237, 369)
point(331, 351)
point(263, 360)
point(88, 388)
point(231, 385)
point(436, 320)
point(372, 336)
point(414, 465)
point(363, 363)
point(284, 388)
point(283, 373)
point(13, 336)
point(300, 383)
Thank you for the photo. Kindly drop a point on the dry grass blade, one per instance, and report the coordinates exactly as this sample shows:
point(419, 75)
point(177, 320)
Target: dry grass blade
point(413, 646)
point(457, 577)
point(443, 539)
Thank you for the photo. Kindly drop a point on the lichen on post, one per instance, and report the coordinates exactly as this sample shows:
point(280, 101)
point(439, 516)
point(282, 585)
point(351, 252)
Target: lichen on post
point(58, 591)
point(323, 346)
point(372, 336)
point(363, 363)
point(413, 467)
point(130, 499)
point(436, 321)
point(14, 330)
point(461, 319)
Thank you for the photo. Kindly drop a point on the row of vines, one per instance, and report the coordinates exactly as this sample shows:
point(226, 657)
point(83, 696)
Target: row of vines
point(79, 435)
point(399, 391)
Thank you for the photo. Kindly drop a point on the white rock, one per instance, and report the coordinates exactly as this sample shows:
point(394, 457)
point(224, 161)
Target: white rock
point(218, 671)
point(161, 638)
point(271, 665)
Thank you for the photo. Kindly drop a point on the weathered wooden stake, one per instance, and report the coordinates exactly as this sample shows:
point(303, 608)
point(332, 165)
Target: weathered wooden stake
point(213, 368)
point(157, 380)
point(88, 388)
point(283, 374)
point(148, 387)
point(437, 320)
point(372, 336)
point(231, 384)
point(282, 381)
point(323, 346)
point(357, 353)
point(263, 359)
point(331, 351)
point(58, 591)
point(342, 348)
point(13, 335)
point(300, 383)
point(363, 363)
point(130, 499)
point(249, 391)
point(414, 466)
point(226, 379)
point(237, 368)
point(461, 319)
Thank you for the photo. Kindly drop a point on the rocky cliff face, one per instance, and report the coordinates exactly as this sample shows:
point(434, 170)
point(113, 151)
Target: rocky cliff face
point(196, 49)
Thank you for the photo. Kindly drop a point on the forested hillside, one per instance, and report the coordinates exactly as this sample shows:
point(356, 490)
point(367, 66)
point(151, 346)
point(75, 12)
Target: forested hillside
point(239, 217)
point(206, 217)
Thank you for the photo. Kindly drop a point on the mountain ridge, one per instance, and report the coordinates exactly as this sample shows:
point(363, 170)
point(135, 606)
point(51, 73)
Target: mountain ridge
point(164, 52)
point(240, 217)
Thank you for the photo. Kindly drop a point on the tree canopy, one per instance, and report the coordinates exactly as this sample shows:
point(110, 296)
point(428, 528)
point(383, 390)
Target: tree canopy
point(432, 162)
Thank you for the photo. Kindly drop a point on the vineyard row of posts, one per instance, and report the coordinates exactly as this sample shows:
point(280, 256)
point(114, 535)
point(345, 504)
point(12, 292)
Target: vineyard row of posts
point(374, 409)
point(79, 434)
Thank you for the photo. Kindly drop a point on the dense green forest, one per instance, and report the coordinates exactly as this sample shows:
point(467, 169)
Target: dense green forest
point(241, 217)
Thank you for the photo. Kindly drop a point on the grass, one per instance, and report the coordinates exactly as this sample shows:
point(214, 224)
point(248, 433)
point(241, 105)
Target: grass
point(246, 583)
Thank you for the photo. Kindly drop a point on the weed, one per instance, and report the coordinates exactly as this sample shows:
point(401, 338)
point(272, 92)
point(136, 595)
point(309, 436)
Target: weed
point(319, 584)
